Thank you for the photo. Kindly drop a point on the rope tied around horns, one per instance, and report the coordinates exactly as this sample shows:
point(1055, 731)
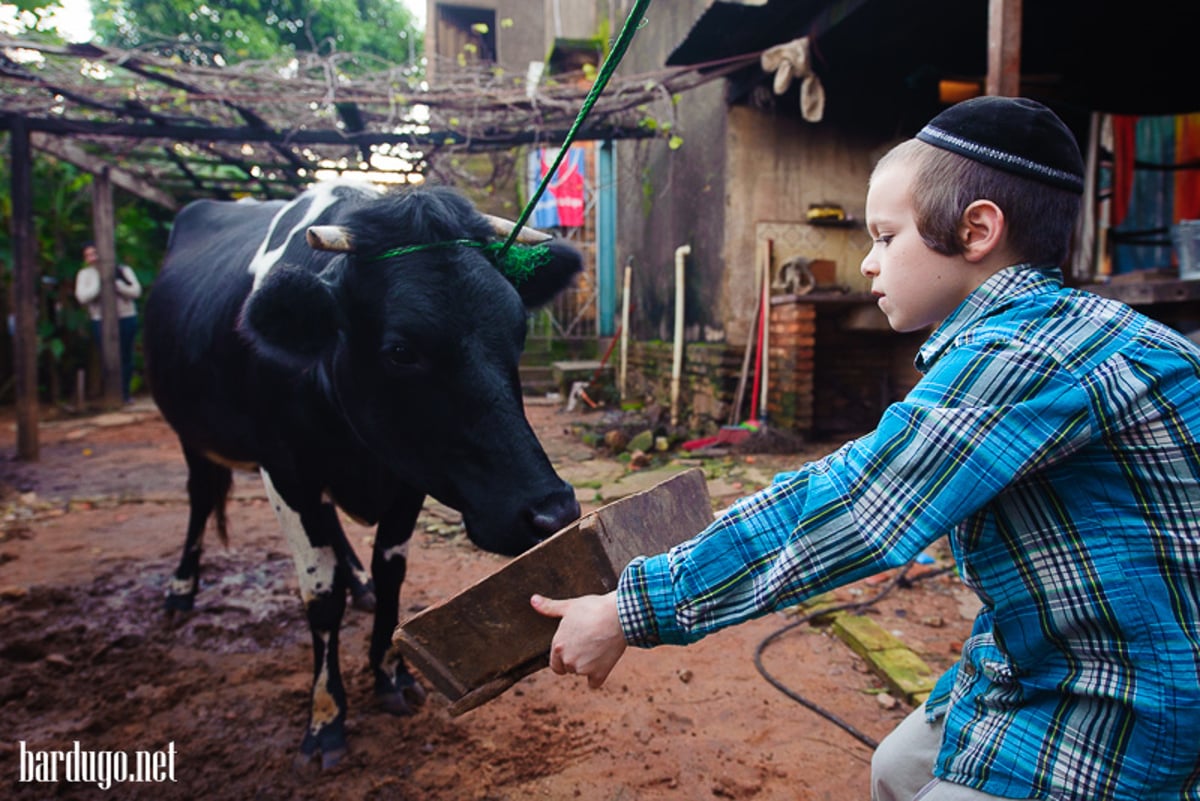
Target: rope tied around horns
point(516, 264)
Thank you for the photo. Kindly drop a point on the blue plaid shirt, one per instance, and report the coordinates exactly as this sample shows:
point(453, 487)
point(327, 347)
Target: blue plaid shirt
point(1055, 436)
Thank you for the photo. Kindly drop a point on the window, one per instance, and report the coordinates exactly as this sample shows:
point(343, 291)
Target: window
point(466, 34)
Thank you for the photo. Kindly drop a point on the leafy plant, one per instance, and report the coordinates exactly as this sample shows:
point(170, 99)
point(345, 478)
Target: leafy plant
point(241, 30)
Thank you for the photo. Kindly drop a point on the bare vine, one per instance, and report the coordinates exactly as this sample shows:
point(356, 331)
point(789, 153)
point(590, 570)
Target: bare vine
point(198, 128)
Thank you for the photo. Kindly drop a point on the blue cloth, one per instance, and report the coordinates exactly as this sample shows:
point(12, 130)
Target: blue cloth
point(1054, 438)
point(545, 212)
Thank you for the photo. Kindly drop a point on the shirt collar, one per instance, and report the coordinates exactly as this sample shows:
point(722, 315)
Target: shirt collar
point(997, 291)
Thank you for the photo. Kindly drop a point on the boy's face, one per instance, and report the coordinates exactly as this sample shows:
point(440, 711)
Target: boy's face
point(90, 255)
point(915, 286)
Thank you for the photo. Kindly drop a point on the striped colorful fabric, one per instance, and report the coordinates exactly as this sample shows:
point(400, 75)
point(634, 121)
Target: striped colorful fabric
point(1054, 438)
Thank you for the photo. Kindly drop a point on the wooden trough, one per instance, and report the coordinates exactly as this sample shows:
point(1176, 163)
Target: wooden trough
point(480, 642)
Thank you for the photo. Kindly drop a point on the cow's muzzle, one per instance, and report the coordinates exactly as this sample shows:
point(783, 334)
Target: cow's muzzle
point(554, 512)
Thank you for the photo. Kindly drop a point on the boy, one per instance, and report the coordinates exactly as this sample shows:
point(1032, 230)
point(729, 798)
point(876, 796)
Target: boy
point(1053, 436)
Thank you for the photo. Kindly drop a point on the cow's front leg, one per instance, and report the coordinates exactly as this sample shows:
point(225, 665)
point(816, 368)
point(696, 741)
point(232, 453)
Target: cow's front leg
point(398, 692)
point(323, 590)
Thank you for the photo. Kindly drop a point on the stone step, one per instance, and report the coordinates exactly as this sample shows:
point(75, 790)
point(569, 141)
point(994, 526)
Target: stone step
point(566, 373)
point(537, 380)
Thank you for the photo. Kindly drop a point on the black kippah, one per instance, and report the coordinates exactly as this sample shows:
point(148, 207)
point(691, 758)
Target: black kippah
point(1013, 134)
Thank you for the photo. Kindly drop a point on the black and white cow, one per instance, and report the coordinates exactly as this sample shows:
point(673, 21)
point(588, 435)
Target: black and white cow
point(360, 351)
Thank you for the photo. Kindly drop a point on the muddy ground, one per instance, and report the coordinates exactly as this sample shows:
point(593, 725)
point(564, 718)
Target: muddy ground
point(93, 529)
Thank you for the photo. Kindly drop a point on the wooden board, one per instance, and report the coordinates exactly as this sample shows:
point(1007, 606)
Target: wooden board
point(480, 642)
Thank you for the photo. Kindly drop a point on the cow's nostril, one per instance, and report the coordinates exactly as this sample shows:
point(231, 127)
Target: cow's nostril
point(554, 512)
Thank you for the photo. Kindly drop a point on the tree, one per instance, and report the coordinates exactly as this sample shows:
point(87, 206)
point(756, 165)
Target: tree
point(241, 30)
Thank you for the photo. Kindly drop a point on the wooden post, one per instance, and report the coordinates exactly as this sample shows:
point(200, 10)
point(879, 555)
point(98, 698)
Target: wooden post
point(621, 385)
point(103, 227)
point(1004, 48)
point(25, 303)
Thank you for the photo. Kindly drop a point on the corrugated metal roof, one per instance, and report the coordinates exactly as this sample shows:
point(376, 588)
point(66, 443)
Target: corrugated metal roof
point(731, 29)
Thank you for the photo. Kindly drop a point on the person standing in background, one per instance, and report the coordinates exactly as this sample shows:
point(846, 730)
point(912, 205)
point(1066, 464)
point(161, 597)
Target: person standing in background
point(87, 292)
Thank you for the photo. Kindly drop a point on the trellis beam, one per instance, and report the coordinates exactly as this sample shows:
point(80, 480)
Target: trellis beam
point(250, 134)
point(67, 151)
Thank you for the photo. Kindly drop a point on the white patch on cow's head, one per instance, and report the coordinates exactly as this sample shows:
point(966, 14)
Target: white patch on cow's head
point(321, 197)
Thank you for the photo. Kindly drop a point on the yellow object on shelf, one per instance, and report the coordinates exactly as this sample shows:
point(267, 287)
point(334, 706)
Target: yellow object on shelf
point(825, 213)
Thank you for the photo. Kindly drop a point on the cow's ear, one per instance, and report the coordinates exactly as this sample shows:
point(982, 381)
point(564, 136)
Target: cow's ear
point(291, 319)
point(552, 277)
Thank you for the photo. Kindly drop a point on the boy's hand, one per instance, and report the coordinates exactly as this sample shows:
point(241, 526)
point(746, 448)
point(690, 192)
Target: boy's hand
point(589, 640)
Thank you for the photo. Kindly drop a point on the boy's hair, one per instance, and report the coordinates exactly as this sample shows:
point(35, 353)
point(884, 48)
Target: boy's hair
point(1039, 219)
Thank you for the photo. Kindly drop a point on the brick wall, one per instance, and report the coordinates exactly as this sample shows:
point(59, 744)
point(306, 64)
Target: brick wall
point(838, 364)
point(792, 346)
point(711, 372)
point(707, 385)
point(831, 374)
point(855, 381)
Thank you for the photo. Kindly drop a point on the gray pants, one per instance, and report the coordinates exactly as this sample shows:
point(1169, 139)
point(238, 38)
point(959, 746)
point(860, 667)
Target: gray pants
point(902, 767)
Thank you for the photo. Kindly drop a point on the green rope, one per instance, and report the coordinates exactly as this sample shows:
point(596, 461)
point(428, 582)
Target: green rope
point(606, 70)
point(516, 265)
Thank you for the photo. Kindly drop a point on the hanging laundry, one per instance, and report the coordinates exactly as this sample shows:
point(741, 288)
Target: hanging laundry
point(1187, 180)
point(1124, 129)
point(562, 204)
point(1143, 192)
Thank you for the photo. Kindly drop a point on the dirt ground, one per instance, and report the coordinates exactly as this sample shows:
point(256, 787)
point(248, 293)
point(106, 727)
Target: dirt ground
point(93, 529)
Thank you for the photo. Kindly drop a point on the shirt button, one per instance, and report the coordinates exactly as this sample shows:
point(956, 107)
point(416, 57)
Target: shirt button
point(969, 669)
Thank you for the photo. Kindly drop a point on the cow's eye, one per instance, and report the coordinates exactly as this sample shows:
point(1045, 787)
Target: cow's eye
point(403, 355)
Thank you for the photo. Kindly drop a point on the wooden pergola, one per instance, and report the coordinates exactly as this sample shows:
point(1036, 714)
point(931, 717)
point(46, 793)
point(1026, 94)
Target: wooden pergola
point(169, 132)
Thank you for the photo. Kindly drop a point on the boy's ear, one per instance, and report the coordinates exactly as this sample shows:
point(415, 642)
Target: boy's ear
point(981, 230)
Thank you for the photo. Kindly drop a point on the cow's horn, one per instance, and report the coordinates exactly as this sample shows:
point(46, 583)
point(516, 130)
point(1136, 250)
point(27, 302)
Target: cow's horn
point(330, 237)
point(528, 236)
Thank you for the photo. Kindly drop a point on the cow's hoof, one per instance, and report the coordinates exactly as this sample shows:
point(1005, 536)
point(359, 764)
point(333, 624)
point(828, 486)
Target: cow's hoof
point(407, 696)
point(313, 754)
point(309, 763)
point(363, 599)
point(179, 604)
